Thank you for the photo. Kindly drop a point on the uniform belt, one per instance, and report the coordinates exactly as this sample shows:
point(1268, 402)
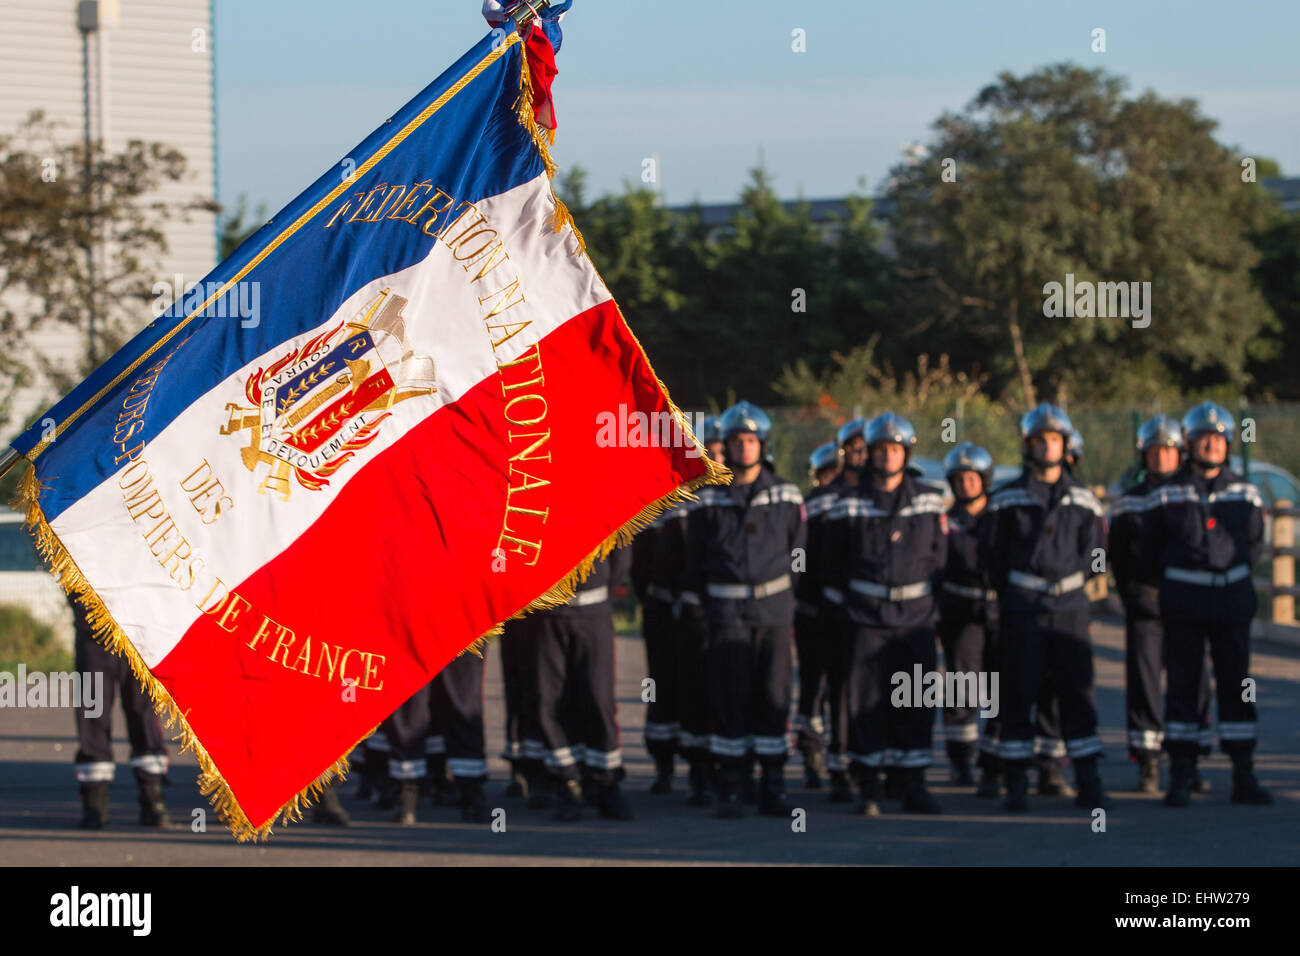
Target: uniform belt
point(1032, 582)
point(590, 596)
point(1210, 578)
point(662, 593)
point(740, 592)
point(975, 594)
point(902, 592)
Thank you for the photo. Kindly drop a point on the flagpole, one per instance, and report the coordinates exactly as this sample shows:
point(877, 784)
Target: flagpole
point(527, 11)
point(8, 460)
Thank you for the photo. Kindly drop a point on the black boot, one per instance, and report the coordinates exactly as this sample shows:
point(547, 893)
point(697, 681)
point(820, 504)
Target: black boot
point(748, 789)
point(959, 756)
point(730, 806)
point(1199, 783)
point(518, 785)
point(917, 799)
point(772, 799)
point(1091, 795)
point(385, 796)
point(473, 801)
point(539, 791)
point(1181, 771)
point(814, 764)
point(700, 791)
point(1245, 788)
point(329, 810)
point(408, 801)
point(895, 783)
point(1051, 782)
point(568, 802)
point(94, 804)
point(590, 789)
point(868, 781)
point(153, 809)
point(1017, 800)
point(841, 790)
point(990, 784)
point(663, 775)
point(1148, 772)
point(613, 805)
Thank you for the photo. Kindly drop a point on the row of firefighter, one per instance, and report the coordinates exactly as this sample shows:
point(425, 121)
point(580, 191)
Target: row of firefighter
point(872, 573)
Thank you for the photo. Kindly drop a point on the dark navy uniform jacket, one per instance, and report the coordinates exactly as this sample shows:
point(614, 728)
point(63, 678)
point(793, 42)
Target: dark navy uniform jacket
point(1137, 580)
point(1052, 532)
point(965, 569)
point(1207, 525)
point(816, 505)
point(657, 555)
point(745, 534)
point(890, 539)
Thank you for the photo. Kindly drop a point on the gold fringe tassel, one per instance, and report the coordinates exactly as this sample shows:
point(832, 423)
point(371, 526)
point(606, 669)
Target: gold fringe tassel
point(211, 783)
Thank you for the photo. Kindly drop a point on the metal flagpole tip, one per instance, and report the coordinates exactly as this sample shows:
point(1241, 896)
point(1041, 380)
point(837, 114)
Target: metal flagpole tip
point(7, 460)
point(526, 11)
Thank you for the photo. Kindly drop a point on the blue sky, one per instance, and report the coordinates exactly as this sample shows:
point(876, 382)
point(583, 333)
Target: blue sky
point(708, 87)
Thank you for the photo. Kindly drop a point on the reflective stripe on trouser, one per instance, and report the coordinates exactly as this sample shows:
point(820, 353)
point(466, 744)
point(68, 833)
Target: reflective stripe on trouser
point(456, 713)
point(812, 646)
point(154, 765)
point(98, 771)
point(880, 733)
point(963, 645)
point(662, 638)
point(1229, 644)
point(1028, 642)
point(409, 730)
point(749, 686)
point(693, 685)
point(95, 734)
point(416, 769)
point(573, 650)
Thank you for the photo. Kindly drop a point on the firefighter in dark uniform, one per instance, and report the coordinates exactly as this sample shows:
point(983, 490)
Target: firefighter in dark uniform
point(853, 462)
point(884, 541)
point(656, 566)
point(1041, 542)
point(1201, 537)
point(572, 656)
point(968, 615)
point(95, 768)
point(1161, 447)
point(693, 672)
point(809, 633)
point(740, 549)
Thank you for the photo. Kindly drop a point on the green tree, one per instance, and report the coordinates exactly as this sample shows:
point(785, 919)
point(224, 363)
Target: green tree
point(1057, 172)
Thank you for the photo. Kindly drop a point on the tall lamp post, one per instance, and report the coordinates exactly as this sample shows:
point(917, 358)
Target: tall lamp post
point(88, 23)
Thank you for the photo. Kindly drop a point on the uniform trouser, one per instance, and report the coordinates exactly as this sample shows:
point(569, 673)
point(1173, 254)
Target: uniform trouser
point(573, 655)
point(880, 733)
point(1143, 663)
point(1229, 643)
point(1049, 749)
point(662, 642)
point(515, 676)
point(693, 686)
point(968, 649)
point(407, 731)
point(1033, 645)
point(750, 687)
point(456, 705)
point(812, 645)
point(94, 761)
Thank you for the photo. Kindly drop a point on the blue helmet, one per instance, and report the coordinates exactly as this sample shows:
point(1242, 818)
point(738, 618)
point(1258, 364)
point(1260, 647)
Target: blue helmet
point(969, 457)
point(1161, 430)
point(710, 430)
point(1045, 418)
point(1209, 417)
point(1074, 447)
point(745, 417)
point(824, 456)
point(850, 430)
point(890, 427)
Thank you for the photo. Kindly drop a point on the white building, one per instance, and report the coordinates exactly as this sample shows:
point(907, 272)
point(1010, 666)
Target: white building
point(150, 78)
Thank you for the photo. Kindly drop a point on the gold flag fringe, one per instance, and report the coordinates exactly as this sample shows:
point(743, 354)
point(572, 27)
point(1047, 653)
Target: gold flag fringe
point(211, 783)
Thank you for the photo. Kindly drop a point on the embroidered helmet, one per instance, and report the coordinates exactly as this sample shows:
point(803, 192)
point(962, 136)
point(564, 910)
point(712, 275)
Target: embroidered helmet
point(824, 456)
point(1045, 418)
point(1161, 430)
point(850, 430)
point(1209, 417)
point(745, 417)
point(969, 457)
point(710, 430)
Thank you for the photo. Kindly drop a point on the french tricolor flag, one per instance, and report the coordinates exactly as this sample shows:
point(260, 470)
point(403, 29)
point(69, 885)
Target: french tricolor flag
point(291, 520)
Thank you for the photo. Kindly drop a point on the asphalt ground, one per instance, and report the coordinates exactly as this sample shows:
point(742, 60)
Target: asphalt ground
point(39, 807)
